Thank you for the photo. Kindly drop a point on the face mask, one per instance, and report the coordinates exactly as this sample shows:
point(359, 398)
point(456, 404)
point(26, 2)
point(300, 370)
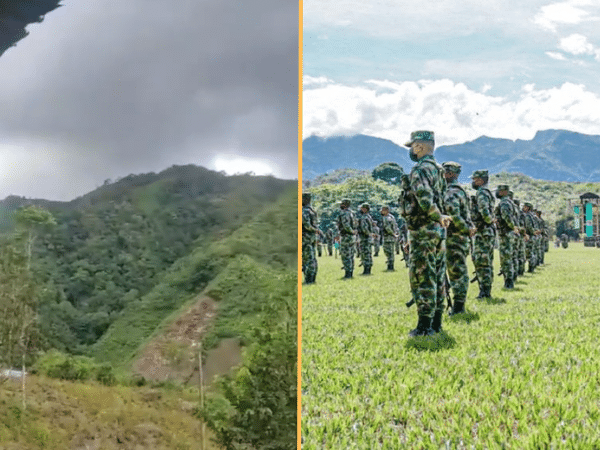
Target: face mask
point(412, 155)
point(474, 185)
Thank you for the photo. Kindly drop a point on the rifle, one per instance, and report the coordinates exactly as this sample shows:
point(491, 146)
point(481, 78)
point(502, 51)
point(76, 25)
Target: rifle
point(409, 304)
point(447, 289)
point(475, 278)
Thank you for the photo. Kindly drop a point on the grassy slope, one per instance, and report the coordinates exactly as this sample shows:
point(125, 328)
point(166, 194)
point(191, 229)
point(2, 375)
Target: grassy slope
point(64, 415)
point(270, 238)
point(522, 372)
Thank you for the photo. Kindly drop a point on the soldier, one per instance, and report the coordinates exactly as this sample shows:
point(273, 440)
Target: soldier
point(482, 214)
point(329, 239)
point(543, 236)
point(403, 238)
point(459, 235)
point(376, 239)
point(388, 230)
point(515, 249)
point(423, 209)
point(347, 225)
point(365, 235)
point(320, 240)
point(309, 237)
point(521, 240)
point(508, 230)
point(529, 237)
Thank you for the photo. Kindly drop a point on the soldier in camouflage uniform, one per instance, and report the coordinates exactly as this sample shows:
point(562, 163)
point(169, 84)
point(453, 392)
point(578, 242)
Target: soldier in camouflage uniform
point(376, 239)
point(543, 236)
point(347, 225)
point(423, 209)
point(537, 242)
point(529, 238)
point(482, 215)
point(320, 240)
point(365, 236)
point(508, 230)
point(403, 238)
point(515, 249)
point(388, 230)
point(522, 258)
point(309, 237)
point(329, 239)
point(459, 235)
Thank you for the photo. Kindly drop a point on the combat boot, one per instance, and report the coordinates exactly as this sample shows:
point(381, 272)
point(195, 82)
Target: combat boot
point(390, 267)
point(507, 283)
point(436, 323)
point(458, 308)
point(347, 275)
point(368, 269)
point(423, 327)
point(482, 292)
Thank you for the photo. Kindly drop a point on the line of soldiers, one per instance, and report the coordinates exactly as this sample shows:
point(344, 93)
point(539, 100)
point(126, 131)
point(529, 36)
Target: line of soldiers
point(444, 226)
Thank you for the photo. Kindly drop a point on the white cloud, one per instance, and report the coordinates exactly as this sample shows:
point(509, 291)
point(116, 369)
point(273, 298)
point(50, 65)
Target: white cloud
point(576, 44)
point(556, 55)
point(455, 112)
point(235, 164)
point(486, 87)
point(307, 80)
point(562, 13)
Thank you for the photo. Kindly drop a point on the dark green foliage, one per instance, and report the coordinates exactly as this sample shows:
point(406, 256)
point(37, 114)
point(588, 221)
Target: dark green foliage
point(55, 364)
point(391, 173)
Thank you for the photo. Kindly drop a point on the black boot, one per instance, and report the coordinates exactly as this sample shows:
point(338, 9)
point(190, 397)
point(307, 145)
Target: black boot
point(482, 293)
point(348, 274)
point(423, 327)
point(507, 283)
point(368, 269)
point(390, 267)
point(458, 308)
point(436, 323)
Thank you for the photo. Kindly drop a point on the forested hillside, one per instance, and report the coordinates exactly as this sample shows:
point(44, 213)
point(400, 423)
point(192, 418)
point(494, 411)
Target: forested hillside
point(110, 247)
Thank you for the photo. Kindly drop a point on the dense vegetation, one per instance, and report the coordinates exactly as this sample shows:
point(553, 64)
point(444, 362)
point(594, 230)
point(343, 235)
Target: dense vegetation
point(548, 196)
point(517, 371)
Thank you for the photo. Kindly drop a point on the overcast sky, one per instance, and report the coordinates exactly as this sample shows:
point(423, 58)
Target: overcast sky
point(100, 90)
point(460, 68)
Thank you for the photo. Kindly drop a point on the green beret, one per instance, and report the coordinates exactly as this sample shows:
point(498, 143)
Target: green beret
point(502, 187)
point(518, 202)
point(511, 194)
point(480, 174)
point(529, 205)
point(366, 206)
point(306, 196)
point(387, 208)
point(451, 166)
point(420, 136)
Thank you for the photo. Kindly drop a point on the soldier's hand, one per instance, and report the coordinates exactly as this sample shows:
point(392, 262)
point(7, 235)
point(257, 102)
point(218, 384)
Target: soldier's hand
point(516, 230)
point(472, 231)
point(406, 248)
point(445, 221)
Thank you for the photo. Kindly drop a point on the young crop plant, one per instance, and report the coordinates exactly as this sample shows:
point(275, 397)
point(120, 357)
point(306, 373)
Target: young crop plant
point(517, 371)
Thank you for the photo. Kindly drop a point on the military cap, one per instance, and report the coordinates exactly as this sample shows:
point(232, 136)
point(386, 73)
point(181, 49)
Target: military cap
point(387, 208)
point(480, 174)
point(518, 202)
point(306, 196)
point(502, 187)
point(366, 206)
point(529, 205)
point(420, 136)
point(346, 201)
point(451, 166)
point(511, 194)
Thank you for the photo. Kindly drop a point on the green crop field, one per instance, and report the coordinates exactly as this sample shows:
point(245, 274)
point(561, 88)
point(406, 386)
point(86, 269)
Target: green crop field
point(519, 371)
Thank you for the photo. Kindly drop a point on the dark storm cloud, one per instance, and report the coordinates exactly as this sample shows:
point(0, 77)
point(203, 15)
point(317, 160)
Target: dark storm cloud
point(144, 84)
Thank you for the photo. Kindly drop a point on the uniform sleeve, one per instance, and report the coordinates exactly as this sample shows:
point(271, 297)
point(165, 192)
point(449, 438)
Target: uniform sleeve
point(485, 207)
point(452, 204)
point(507, 216)
point(347, 223)
point(306, 225)
point(424, 194)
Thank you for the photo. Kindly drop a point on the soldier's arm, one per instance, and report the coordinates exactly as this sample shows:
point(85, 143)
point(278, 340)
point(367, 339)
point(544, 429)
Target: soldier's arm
point(485, 207)
point(506, 212)
point(424, 195)
point(306, 225)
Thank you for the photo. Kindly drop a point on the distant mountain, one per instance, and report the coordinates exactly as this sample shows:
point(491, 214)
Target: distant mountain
point(555, 155)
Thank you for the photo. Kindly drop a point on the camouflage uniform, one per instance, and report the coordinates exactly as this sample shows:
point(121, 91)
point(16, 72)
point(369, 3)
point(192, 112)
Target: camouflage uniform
point(506, 224)
point(515, 248)
point(521, 254)
point(422, 207)
point(320, 239)
point(388, 229)
point(376, 239)
point(347, 225)
point(530, 245)
point(482, 214)
point(329, 240)
point(402, 230)
point(458, 238)
point(537, 242)
point(365, 236)
point(309, 237)
point(543, 237)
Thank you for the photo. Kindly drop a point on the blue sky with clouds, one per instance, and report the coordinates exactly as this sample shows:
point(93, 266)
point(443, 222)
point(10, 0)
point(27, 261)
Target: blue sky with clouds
point(463, 69)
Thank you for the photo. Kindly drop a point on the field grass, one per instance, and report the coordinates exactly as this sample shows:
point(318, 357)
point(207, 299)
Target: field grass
point(64, 415)
point(519, 371)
